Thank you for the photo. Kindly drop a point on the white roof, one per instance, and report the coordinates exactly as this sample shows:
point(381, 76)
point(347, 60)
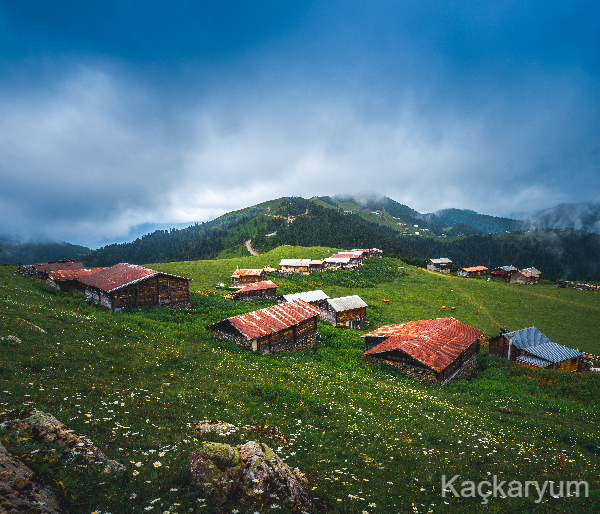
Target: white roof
point(307, 296)
point(295, 262)
point(337, 260)
point(443, 260)
point(346, 303)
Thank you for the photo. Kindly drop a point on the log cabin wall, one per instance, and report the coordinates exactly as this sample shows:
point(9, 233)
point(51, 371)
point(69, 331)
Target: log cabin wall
point(499, 347)
point(297, 337)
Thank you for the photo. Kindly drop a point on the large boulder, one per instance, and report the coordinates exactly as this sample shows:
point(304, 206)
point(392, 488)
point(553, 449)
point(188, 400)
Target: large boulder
point(216, 469)
point(20, 492)
point(252, 470)
point(45, 427)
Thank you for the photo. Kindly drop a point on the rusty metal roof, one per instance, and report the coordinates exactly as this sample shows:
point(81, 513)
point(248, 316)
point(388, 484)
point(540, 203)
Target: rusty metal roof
point(55, 266)
point(346, 303)
point(120, 275)
point(346, 255)
point(71, 274)
point(386, 331)
point(250, 272)
point(434, 342)
point(475, 268)
point(271, 319)
point(258, 286)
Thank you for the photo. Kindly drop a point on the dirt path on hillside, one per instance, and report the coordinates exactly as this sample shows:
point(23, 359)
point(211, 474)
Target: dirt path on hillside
point(250, 249)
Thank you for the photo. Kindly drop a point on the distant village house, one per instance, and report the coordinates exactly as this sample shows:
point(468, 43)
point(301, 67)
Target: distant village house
point(247, 276)
point(39, 270)
point(282, 327)
point(67, 281)
point(443, 264)
point(264, 290)
point(295, 265)
point(474, 271)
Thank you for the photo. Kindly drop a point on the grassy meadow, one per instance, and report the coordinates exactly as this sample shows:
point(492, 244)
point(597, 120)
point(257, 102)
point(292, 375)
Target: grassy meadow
point(135, 381)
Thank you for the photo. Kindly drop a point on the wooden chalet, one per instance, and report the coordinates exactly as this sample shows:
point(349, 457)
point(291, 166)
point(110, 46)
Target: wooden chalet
point(356, 258)
point(504, 272)
point(530, 347)
point(39, 270)
point(127, 285)
point(443, 264)
point(282, 327)
point(295, 265)
point(434, 350)
point(337, 263)
point(349, 311)
point(67, 281)
point(264, 290)
point(532, 275)
point(316, 298)
point(367, 252)
point(474, 271)
point(247, 276)
point(317, 265)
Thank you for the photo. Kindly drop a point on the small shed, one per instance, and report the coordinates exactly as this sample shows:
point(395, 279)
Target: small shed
point(295, 265)
point(443, 264)
point(474, 271)
point(247, 276)
point(282, 327)
point(128, 285)
point(434, 350)
point(67, 281)
point(350, 311)
point(530, 347)
point(315, 298)
point(504, 272)
point(264, 290)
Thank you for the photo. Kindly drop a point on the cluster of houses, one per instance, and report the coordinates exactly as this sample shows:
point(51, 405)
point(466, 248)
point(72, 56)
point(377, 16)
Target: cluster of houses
point(507, 273)
point(346, 260)
point(116, 287)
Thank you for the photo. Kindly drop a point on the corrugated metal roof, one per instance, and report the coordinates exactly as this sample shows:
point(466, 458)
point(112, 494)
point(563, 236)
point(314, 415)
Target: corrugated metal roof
point(346, 303)
point(71, 274)
point(337, 260)
point(526, 337)
point(475, 268)
point(271, 319)
point(443, 260)
point(536, 361)
point(307, 296)
point(386, 331)
point(434, 342)
point(531, 272)
point(251, 272)
point(120, 275)
point(533, 341)
point(346, 255)
point(295, 262)
point(508, 269)
point(55, 266)
point(258, 286)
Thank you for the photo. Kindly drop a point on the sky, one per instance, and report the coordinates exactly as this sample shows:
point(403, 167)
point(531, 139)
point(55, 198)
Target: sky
point(120, 116)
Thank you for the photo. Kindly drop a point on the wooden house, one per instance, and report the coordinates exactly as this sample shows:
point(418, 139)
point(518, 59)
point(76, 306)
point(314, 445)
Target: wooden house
point(434, 350)
point(504, 272)
point(67, 281)
point(317, 265)
point(295, 265)
point(247, 276)
point(316, 298)
point(532, 275)
point(474, 271)
point(127, 285)
point(264, 290)
point(337, 262)
point(356, 258)
point(350, 311)
point(443, 264)
point(530, 347)
point(282, 327)
point(39, 270)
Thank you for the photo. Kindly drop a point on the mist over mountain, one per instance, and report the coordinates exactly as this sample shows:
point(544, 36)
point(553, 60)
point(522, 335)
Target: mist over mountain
point(15, 252)
point(580, 216)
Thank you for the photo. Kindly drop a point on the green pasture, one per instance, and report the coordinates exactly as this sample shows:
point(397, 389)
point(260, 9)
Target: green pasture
point(135, 381)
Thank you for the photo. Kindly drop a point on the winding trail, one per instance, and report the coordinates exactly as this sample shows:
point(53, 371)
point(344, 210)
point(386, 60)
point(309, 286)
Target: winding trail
point(250, 249)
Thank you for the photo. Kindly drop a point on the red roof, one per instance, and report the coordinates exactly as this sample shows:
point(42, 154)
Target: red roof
point(475, 268)
point(258, 286)
point(250, 272)
point(272, 319)
point(434, 342)
point(55, 266)
point(346, 255)
point(386, 331)
point(71, 274)
point(118, 276)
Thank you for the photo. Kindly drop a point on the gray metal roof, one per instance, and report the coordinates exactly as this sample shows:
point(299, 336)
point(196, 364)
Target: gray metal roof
point(295, 262)
point(536, 361)
point(307, 296)
point(337, 260)
point(443, 260)
point(533, 341)
point(346, 303)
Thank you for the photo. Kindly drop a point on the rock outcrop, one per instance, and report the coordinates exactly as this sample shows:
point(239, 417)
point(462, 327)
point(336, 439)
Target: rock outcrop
point(45, 427)
point(253, 471)
point(20, 492)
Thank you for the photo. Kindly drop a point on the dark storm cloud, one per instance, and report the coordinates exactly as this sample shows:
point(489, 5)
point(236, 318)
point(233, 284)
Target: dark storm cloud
point(118, 114)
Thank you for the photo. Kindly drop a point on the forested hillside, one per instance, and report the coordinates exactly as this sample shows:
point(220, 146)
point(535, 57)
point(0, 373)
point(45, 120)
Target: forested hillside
point(28, 253)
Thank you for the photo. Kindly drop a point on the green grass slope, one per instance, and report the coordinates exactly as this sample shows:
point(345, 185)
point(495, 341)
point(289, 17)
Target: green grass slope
point(133, 382)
